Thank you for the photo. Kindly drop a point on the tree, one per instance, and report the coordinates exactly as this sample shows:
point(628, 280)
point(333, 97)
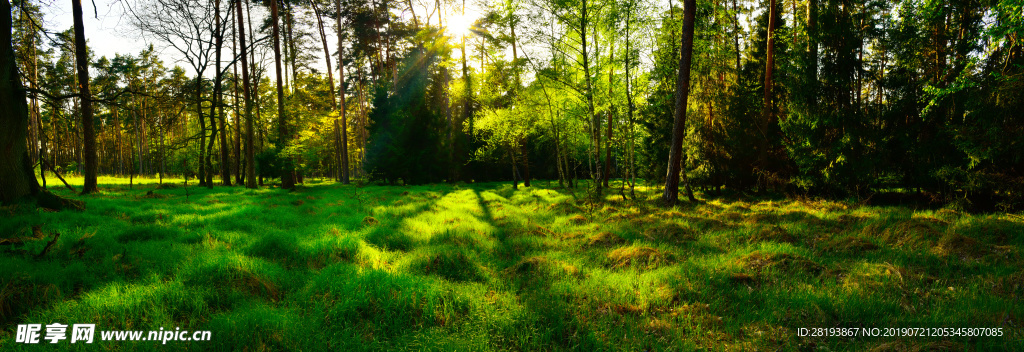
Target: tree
point(250, 160)
point(16, 179)
point(88, 127)
point(283, 136)
point(671, 192)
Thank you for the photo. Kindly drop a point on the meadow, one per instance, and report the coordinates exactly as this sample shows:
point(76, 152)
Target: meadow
point(476, 267)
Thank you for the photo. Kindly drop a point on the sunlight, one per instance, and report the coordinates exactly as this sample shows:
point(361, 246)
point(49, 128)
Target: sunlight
point(458, 25)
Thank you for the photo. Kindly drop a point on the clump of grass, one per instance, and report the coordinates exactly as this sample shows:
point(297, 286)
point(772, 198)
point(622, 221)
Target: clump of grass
point(772, 233)
point(761, 218)
point(705, 224)
point(390, 239)
point(961, 246)
point(541, 266)
point(604, 239)
point(333, 249)
point(784, 262)
point(578, 219)
point(451, 263)
point(280, 247)
point(851, 244)
point(992, 229)
point(18, 295)
point(240, 274)
point(148, 233)
point(918, 346)
point(380, 304)
point(948, 215)
point(459, 239)
point(565, 207)
point(641, 257)
point(731, 216)
point(261, 328)
point(911, 233)
point(671, 233)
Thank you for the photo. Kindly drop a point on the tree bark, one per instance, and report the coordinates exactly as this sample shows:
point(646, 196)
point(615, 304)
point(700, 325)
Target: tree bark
point(218, 91)
point(16, 179)
point(88, 130)
point(342, 131)
point(675, 155)
point(767, 110)
point(287, 181)
point(608, 145)
point(237, 165)
point(250, 171)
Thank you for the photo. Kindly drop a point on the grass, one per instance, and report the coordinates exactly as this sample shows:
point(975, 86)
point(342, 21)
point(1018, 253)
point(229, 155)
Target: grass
point(485, 267)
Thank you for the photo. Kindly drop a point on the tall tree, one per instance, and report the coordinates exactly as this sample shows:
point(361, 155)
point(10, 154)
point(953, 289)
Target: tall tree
point(16, 179)
point(767, 111)
point(283, 136)
point(218, 91)
point(250, 162)
point(85, 96)
point(342, 130)
point(675, 155)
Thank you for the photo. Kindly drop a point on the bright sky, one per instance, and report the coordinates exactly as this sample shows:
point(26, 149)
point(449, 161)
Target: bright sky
point(106, 36)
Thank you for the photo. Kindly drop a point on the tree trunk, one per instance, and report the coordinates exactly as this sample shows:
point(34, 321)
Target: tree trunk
point(343, 130)
point(287, 181)
point(237, 165)
point(88, 132)
point(595, 134)
point(768, 109)
point(608, 145)
point(218, 91)
point(250, 171)
point(675, 155)
point(812, 44)
point(16, 179)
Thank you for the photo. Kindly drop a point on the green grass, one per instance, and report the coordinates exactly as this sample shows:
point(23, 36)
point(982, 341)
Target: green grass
point(485, 267)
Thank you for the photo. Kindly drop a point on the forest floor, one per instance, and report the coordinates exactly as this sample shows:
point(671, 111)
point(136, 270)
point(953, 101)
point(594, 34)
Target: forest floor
point(485, 267)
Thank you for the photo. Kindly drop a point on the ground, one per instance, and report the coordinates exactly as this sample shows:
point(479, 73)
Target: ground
point(485, 267)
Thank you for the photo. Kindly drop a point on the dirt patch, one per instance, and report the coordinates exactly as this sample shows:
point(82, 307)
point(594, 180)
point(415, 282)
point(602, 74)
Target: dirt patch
point(605, 239)
point(638, 256)
point(297, 202)
point(774, 233)
point(785, 262)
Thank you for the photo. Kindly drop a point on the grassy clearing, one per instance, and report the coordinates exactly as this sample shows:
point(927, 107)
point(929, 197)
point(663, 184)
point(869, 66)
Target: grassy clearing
point(483, 267)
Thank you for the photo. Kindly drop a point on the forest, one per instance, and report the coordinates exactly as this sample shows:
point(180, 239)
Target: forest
point(516, 174)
